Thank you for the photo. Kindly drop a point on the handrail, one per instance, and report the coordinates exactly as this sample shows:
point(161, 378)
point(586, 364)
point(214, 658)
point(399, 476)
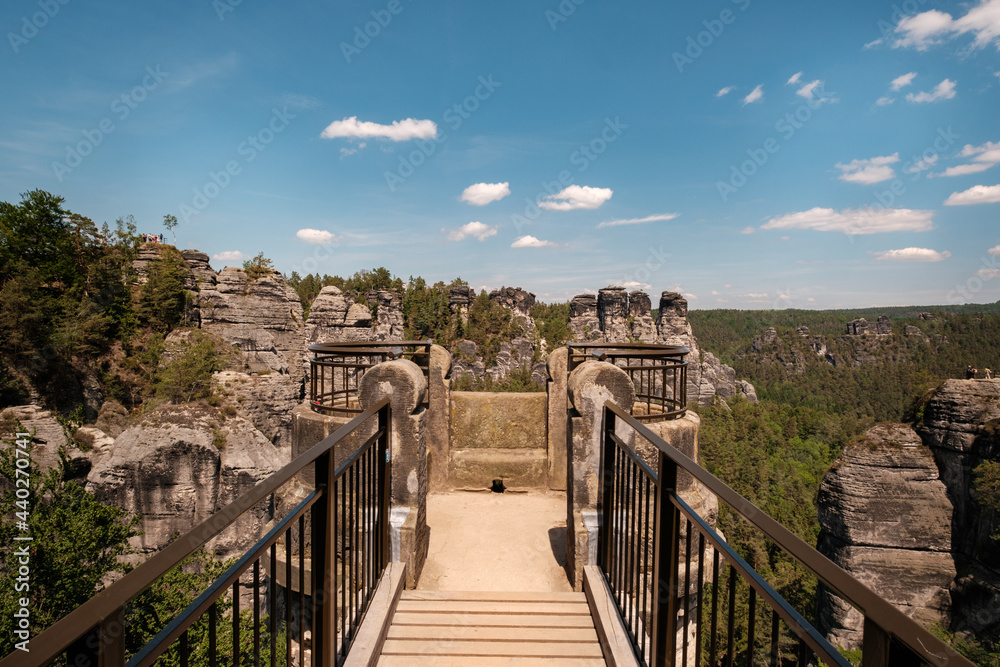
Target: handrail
point(107, 605)
point(884, 623)
point(336, 369)
point(658, 373)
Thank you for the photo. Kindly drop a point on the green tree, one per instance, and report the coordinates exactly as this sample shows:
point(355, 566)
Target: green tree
point(258, 267)
point(163, 299)
point(170, 222)
point(189, 375)
point(76, 542)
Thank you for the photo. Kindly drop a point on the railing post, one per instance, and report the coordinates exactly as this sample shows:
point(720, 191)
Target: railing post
point(879, 650)
point(605, 491)
point(324, 547)
point(663, 631)
point(384, 481)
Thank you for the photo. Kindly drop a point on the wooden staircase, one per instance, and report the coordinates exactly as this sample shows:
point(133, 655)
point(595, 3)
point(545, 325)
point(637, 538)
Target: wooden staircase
point(445, 628)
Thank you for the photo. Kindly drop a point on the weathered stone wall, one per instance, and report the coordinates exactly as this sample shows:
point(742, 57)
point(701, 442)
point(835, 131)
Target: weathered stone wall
point(498, 436)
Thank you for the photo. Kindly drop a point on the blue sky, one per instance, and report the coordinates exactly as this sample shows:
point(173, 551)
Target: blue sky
point(809, 155)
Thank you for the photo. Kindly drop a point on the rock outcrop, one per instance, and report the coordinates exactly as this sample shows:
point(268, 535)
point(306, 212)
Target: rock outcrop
point(336, 317)
point(263, 317)
point(961, 425)
point(459, 300)
point(48, 439)
point(862, 327)
point(266, 400)
point(898, 511)
point(180, 465)
point(885, 517)
point(617, 316)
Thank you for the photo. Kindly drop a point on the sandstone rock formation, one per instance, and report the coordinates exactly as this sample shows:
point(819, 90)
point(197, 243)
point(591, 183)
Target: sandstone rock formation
point(181, 464)
point(266, 400)
point(335, 317)
point(263, 317)
point(459, 300)
point(615, 316)
point(885, 517)
point(860, 327)
point(962, 427)
point(48, 438)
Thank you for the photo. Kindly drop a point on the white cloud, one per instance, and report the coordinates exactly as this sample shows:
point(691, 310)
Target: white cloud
point(316, 236)
point(793, 79)
point(995, 251)
point(481, 194)
point(921, 165)
point(902, 81)
point(229, 256)
point(638, 221)
point(922, 30)
point(964, 169)
point(807, 90)
point(344, 152)
point(928, 28)
point(988, 273)
point(856, 221)
point(400, 130)
point(575, 197)
point(988, 152)
point(977, 194)
point(530, 242)
point(755, 95)
point(476, 229)
point(884, 100)
point(756, 295)
point(747, 230)
point(912, 255)
point(943, 91)
point(872, 170)
point(724, 91)
point(634, 284)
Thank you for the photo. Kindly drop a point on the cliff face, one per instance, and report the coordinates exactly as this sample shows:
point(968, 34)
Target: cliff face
point(179, 466)
point(885, 517)
point(962, 427)
point(617, 316)
point(897, 510)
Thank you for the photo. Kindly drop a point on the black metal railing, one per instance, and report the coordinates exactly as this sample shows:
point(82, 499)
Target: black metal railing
point(275, 605)
point(658, 373)
point(665, 567)
point(336, 369)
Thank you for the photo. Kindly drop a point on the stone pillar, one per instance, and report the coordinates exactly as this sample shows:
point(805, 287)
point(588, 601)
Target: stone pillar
point(438, 418)
point(558, 404)
point(403, 382)
point(590, 385)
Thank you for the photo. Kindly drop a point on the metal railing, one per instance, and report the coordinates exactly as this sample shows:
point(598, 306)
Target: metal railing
point(658, 373)
point(660, 559)
point(348, 536)
point(336, 369)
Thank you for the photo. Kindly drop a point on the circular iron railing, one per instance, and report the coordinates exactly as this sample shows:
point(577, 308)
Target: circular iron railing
point(336, 369)
point(658, 372)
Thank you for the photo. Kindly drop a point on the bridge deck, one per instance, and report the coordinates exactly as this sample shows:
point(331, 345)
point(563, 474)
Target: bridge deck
point(491, 628)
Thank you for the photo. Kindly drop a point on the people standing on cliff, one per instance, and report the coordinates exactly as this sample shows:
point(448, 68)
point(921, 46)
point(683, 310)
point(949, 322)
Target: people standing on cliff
point(970, 372)
point(989, 373)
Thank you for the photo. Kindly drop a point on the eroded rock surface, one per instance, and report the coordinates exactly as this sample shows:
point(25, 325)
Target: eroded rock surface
point(886, 518)
point(181, 464)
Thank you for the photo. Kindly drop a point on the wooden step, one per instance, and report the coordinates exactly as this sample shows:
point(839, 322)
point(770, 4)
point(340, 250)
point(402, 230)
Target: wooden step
point(491, 628)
